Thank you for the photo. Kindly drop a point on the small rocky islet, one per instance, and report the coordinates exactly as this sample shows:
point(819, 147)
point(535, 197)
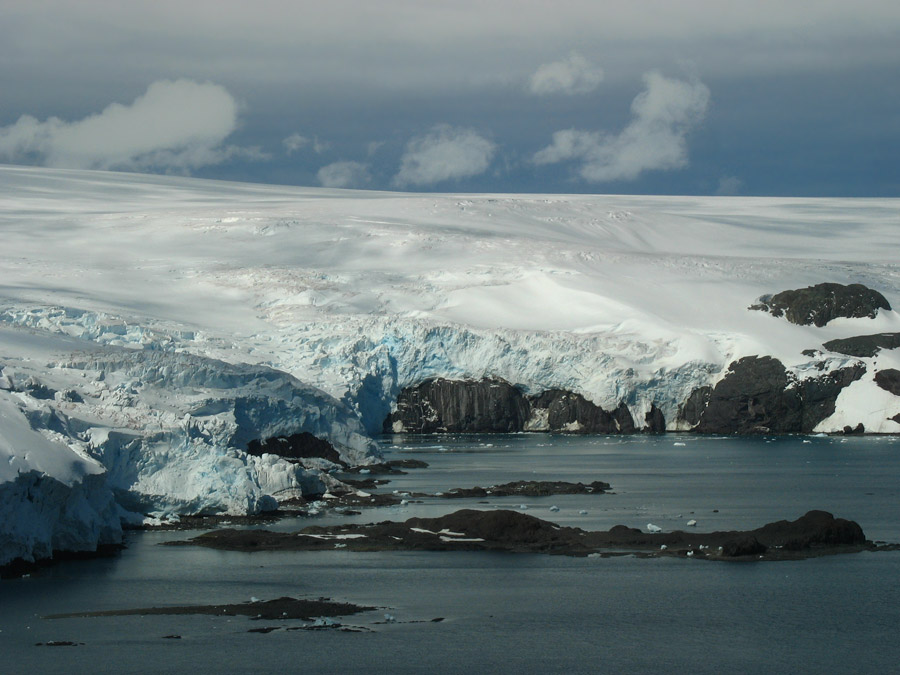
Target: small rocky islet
point(814, 534)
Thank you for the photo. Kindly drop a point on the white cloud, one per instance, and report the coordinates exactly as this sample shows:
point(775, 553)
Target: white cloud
point(176, 125)
point(445, 153)
point(320, 146)
point(655, 139)
point(729, 185)
point(573, 75)
point(344, 175)
point(294, 142)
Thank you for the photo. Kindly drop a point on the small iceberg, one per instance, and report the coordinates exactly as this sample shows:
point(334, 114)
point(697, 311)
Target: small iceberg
point(653, 528)
point(554, 508)
point(691, 523)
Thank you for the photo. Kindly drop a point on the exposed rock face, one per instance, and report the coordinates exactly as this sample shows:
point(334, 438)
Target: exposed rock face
point(758, 396)
point(889, 380)
point(753, 398)
point(654, 421)
point(864, 345)
point(566, 411)
point(296, 446)
point(490, 406)
point(821, 303)
point(462, 406)
point(693, 407)
point(819, 395)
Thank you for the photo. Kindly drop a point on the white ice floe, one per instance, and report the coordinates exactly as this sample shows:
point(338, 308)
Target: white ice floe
point(653, 528)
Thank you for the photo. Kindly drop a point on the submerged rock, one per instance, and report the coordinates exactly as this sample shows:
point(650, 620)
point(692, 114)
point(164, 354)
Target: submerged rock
point(821, 303)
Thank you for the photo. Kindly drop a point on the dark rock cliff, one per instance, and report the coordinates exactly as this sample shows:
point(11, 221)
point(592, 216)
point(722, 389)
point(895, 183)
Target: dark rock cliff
point(567, 411)
point(463, 406)
point(296, 446)
point(490, 406)
point(757, 395)
point(821, 303)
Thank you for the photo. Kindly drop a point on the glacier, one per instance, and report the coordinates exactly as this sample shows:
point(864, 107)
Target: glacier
point(152, 326)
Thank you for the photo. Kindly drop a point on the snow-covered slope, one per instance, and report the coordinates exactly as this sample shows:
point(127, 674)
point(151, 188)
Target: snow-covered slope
point(151, 285)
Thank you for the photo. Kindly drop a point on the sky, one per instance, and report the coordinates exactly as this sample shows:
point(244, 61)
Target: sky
point(698, 97)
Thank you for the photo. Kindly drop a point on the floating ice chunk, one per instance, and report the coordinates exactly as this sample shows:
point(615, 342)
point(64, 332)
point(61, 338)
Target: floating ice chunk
point(404, 502)
point(389, 618)
point(365, 471)
point(523, 506)
point(691, 523)
point(690, 554)
point(653, 528)
point(253, 598)
point(554, 508)
point(582, 512)
point(663, 547)
point(679, 444)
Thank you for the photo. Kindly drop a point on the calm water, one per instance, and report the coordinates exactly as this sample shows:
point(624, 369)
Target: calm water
point(525, 613)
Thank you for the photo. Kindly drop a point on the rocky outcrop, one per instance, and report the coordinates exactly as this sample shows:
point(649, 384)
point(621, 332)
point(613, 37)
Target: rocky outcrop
point(814, 534)
point(492, 406)
point(459, 406)
point(889, 380)
point(566, 411)
point(821, 303)
point(296, 446)
point(752, 398)
point(818, 395)
point(692, 409)
point(654, 421)
point(864, 346)
point(757, 395)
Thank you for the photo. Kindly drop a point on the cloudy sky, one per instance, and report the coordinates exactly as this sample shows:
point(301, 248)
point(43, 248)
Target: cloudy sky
point(615, 96)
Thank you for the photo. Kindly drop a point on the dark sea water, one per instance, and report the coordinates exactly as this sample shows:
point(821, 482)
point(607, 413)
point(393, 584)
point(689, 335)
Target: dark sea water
point(518, 613)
